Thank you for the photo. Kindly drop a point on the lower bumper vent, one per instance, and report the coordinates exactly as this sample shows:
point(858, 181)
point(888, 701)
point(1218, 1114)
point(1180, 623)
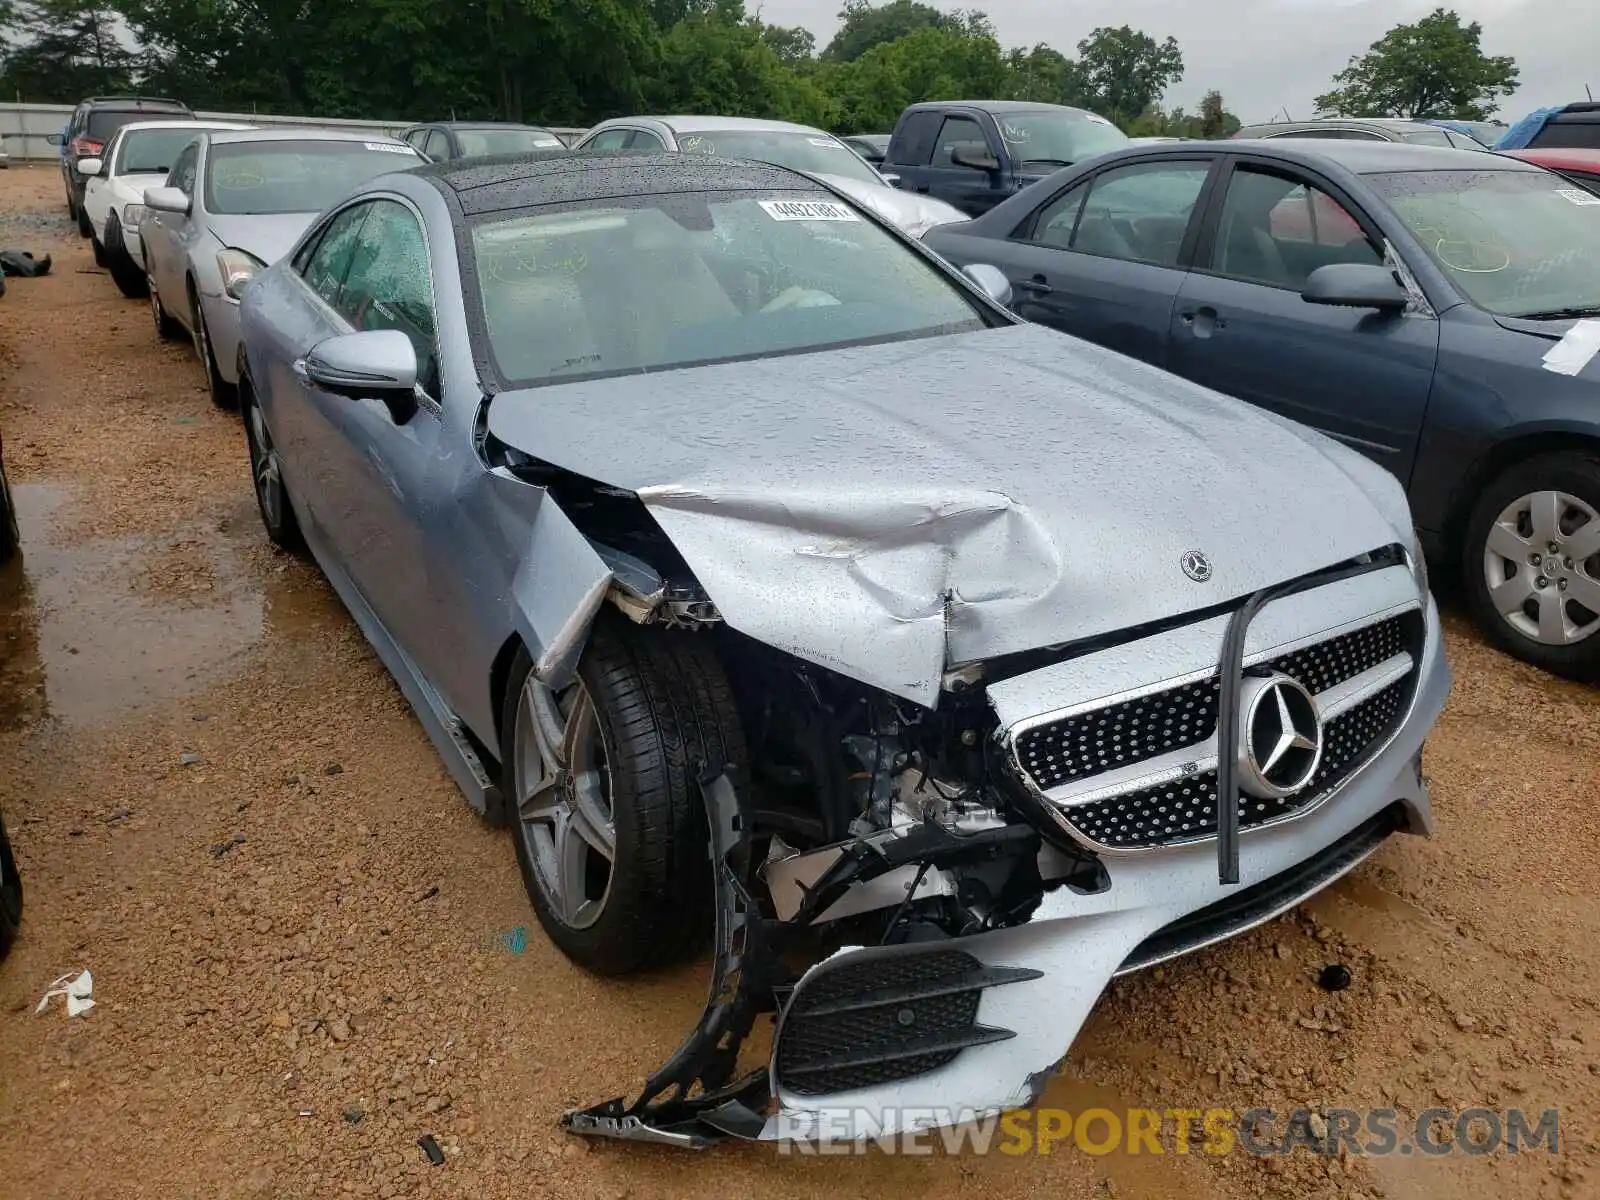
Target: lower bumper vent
point(883, 1017)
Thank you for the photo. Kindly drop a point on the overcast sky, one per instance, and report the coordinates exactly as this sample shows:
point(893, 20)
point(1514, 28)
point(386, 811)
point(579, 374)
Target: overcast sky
point(1264, 55)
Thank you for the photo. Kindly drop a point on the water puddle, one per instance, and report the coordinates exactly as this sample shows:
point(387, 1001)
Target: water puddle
point(99, 631)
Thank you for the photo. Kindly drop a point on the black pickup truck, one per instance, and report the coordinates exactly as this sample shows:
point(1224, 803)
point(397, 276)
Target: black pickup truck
point(975, 153)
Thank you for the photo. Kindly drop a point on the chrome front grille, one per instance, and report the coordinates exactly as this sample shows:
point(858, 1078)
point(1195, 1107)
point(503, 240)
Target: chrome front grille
point(1141, 772)
point(1135, 731)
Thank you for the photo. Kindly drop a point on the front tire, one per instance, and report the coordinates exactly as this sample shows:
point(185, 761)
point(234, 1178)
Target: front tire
point(166, 328)
point(223, 394)
point(1531, 563)
point(266, 474)
point(125, 273)
point(84, 228)
point(603, 779)
point(10, 894)
point(101, 259)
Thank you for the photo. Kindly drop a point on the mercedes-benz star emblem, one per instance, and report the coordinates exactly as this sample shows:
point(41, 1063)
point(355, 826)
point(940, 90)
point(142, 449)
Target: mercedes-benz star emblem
point(1195, 565)
point(1280, 737)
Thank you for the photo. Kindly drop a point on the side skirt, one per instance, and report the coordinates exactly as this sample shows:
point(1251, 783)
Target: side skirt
point(443, 727)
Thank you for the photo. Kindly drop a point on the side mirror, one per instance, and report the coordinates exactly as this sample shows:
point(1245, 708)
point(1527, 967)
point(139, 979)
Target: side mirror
point(991, 281)
point(88, 166)
point(372, 364)
point(1355, 285)
point(56, 139)
point(978, 160)
point(167, 200)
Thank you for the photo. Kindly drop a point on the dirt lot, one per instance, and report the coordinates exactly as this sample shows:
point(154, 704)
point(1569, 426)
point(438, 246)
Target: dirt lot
point(305, 947)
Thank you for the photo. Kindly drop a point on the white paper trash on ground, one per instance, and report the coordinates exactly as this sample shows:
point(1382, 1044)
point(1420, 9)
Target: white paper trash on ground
point(76, 988)
point(1573, 352)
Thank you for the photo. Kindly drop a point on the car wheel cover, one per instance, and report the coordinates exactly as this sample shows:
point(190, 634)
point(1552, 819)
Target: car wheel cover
point(1541, 566)
point(264, 469)
point(563, 792)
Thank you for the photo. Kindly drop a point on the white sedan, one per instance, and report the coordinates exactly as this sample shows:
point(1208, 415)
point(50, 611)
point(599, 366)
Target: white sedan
point(783, 144)
point(138, 156)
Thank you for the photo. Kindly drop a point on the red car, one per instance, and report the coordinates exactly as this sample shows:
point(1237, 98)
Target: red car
point(1580, 166)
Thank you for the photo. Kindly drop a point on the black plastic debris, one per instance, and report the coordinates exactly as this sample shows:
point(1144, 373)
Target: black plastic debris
point(353, 1115)
point(222, 848)
point(1334, 977)
point(431, 1149)
point(23, 263)
point(333, 769)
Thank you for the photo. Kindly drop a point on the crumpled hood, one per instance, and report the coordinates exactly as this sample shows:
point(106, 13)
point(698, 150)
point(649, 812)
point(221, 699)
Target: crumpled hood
point(268, 236)
point(886, 511)
point(911, 212)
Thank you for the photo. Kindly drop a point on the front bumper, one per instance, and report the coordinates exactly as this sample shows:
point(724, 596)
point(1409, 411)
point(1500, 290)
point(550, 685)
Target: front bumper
point(222, 327)
point(1034, 984)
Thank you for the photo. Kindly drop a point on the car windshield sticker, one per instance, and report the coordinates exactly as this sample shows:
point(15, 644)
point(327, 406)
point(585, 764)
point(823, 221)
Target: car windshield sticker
point(1096, 118)
point(387, 148)
point(806, 210)
point(826, 143)
point(1574, 351)
point(1014, 132)
point(1578, 196)
point(695, 144)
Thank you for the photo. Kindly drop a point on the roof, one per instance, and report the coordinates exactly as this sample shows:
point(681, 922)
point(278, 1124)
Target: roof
point(303, 133)
point(136, 102)
point(180, 124)
point(1371, 158)
point(999, 106)
point(1559, 158)
point(694, 123)
point(476, 125)
point(503, 182)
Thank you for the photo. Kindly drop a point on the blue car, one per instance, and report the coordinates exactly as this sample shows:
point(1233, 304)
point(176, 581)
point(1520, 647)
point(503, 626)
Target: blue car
point(1429, 307)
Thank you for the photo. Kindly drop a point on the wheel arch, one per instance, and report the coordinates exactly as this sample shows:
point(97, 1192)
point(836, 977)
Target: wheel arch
point(1506, 453)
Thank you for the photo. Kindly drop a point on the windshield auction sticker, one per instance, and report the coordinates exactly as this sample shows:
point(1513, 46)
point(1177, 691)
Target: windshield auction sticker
point(806, 210)
point(388, 148)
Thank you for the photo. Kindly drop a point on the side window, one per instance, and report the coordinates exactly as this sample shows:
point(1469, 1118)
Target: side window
point(182, 174)
point(328, 261)
point(389, 285)
point(1059, 218)
point(958, 133)
point(1140, 213)
point(437, 146)
point(611, 139)
point(414, 137)
point(1277, 230)
point(913, 141)
point(643, 139)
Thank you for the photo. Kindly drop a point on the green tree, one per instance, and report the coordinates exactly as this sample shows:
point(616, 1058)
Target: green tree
point(793, 46)
point(863, 26)
point(1126, 70)
point(929, 64)
point(61, 51)
point(719, 61)
point(1215, 121)
point(1046, 75)
point(1433, 68)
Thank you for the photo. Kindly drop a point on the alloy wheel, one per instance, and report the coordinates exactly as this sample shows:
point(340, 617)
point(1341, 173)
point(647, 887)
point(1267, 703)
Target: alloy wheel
point(1541, 564)
point(264, 468)
point(563, 798)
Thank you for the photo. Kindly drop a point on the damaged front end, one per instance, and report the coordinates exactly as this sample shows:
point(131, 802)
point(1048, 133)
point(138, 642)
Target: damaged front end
point(928, 901)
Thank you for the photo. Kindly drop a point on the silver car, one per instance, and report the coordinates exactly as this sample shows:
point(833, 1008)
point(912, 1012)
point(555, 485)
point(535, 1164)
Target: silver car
point(782, 144)
point(776, 585)
point(233, 203)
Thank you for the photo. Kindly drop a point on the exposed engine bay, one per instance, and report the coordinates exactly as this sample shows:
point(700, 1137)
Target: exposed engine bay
point(876, 860)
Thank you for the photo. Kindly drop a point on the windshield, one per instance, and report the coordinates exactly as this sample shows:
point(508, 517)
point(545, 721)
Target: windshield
point(658, 282)
point(1517, 243)
point(1056, 138)
point(151, 151)
point(478, 142)
point(295, 176)
point(815, 152)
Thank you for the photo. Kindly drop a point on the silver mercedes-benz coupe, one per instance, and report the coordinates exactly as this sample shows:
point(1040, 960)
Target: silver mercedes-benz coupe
point(780, 589)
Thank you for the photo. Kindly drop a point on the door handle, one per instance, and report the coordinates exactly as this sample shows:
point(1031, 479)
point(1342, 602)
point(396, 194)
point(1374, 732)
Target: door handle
point(1203, 321)
point(1036, 285)
point(298, 368)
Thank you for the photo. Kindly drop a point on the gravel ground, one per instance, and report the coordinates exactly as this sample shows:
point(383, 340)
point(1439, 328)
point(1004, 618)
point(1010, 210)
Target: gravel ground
point(305, 947)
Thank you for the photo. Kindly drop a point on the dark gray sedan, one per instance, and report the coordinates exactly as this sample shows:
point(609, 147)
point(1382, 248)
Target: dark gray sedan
point(1429, 307)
